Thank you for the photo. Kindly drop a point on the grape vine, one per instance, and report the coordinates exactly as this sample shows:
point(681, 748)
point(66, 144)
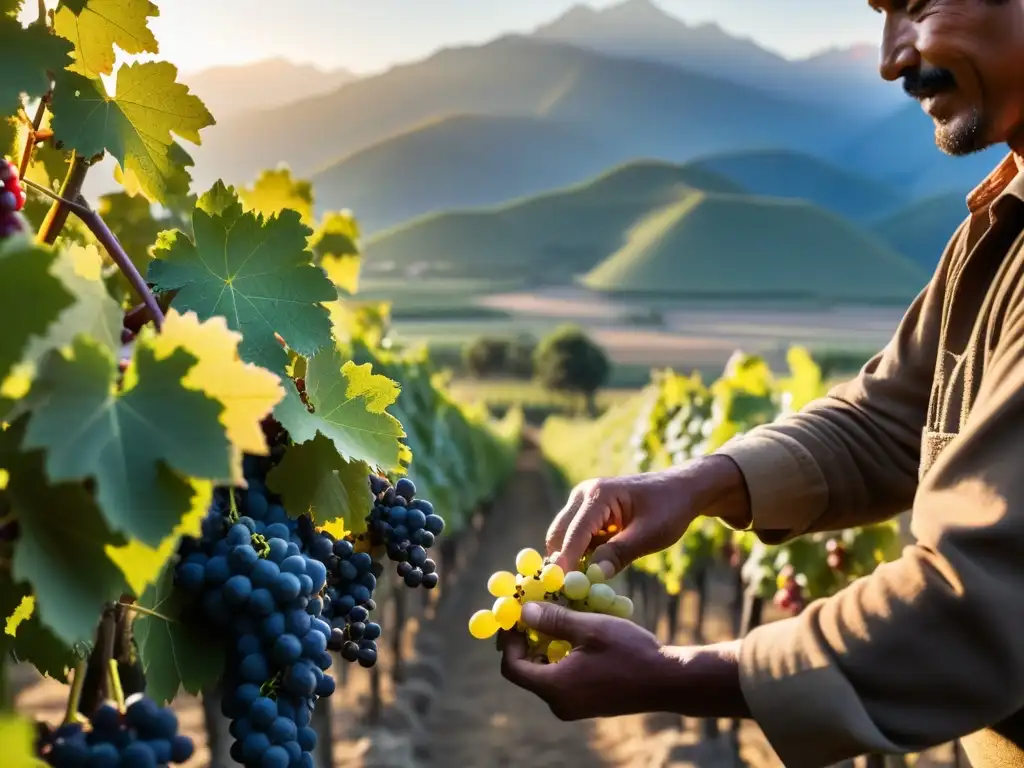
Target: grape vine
point(205, 471)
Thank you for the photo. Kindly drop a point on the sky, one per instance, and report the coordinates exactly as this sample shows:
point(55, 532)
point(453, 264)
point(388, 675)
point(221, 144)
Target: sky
point(370, 35)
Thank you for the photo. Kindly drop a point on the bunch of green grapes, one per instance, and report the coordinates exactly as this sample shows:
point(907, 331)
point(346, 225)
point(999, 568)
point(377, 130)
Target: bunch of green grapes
point(536, 579)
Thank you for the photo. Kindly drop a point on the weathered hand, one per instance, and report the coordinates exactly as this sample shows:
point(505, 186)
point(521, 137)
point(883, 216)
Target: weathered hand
point(650, 511)
point(616, 667)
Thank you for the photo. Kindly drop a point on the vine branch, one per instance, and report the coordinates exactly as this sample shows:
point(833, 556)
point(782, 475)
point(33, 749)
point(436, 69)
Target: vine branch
point(33, 135)
point(71, 189)
point(80, 207)
point(148, 612)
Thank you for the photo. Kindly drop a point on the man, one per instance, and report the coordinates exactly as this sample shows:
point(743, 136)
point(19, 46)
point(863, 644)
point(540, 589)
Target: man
point(929, 648)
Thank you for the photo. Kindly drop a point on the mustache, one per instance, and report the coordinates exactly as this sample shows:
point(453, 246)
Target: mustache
point(922, 83)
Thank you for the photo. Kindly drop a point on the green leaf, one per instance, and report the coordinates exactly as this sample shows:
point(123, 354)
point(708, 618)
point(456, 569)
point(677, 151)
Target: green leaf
point(32, 297)
point(349, 403)
point(276, 191)
point(10, 7)
point(132, 441)
point(256, 272)
point(136, 125)
point(26, 55)
point(94, 312)
point(61, 548)
point(99, 26)
point(131, 220)
point(29, 640)
point(177, 653)
point(314, 479)
point(75, 6)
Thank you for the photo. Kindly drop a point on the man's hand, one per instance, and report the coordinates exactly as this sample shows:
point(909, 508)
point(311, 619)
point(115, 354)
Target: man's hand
point(650, 511)
point(619, 668)
point(613, 669)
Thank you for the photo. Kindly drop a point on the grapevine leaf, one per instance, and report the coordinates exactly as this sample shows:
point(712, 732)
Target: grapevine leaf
point(140, 563)
point(99, 26)
point(276, 191)
point(314, 479)
point(18, 735)
point(26, 55)
point(94, 312)
point(135, 125)
point(349, 403)
point(75, 6)
point(247, 392)
point(32, 297)
point(343, 271)
point(10, 7)
point(256, 272)
point(133, 441)
point(61, 547)
point(131, 220)
point(334, 246)
point(177, 181)
point(174, 654)
point(29, 640)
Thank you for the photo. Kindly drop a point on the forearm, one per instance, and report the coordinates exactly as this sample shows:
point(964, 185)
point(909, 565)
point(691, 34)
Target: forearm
point(702, 682)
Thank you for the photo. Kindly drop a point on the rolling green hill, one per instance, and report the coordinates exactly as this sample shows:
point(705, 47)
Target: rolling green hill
point(796, 175)
point(921, 230)
point(546, 238)
point(709, 246)
point(457, 162)
point(638, 108)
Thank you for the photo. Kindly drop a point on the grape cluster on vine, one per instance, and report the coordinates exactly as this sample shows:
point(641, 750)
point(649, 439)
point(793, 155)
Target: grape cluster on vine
point(145, 735)
point(406, 527)
point(537, 580)
point(12, 200)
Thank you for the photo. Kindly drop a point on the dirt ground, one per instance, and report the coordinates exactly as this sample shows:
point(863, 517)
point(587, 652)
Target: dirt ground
point(478, 720)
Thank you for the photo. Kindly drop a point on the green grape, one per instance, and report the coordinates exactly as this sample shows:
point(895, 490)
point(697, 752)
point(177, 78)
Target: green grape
point(507, 611)
point(529, 562)
point(483, 625)
point(601, 597)
point(552, 577)
point(576, 585)
point(558, 650)
point(595, 574)
point(533, 589)
point(622, 607)
point(502, 584)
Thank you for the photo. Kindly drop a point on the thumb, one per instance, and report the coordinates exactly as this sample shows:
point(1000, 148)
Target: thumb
point(559, 622)
point(622, 549)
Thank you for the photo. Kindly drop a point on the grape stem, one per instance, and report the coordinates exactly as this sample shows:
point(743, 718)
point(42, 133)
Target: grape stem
point(80, 207)
point(115, 683)
point(148, 612)
point(71, 713)
point(57, 216)
point(33, 135)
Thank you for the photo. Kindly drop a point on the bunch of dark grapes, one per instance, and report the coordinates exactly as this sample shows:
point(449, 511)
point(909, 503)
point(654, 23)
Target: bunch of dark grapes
point(347, 599)
point(145, 736)
point(252, 579)
point(12, 200)
point(406, 527)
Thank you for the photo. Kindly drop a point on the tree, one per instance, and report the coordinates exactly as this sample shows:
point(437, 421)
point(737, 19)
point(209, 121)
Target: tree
point(520, 357)
point(568, 360)
point(486, 356)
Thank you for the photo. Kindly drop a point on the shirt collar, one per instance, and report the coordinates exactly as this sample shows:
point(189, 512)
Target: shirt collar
point(1007, 178)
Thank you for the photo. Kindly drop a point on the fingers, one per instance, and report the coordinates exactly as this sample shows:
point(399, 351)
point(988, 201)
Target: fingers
point(558, 527)
point(583, 526)
point(621, 549)
point(517, 668)
point(559, 622)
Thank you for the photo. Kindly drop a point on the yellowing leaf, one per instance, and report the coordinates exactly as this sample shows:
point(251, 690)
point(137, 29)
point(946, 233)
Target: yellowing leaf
point(349, 403)
point(314, 479)
point(275, 191)
point(140, 563)
point(103, 24)
point(18, 735)
point(336, 528)
point(137, 125)
point(22, 613)
point(247, 392)
point(343, 271)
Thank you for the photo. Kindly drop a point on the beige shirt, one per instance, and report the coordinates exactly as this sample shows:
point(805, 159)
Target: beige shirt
point(928, 648)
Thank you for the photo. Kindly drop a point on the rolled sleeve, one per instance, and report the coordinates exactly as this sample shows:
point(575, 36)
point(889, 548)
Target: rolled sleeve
point(927, 648)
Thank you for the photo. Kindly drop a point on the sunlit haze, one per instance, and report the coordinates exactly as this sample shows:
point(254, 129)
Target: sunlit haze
point(369, 36)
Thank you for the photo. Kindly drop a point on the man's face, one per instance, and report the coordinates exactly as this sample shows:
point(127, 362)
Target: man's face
point(964, 61)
